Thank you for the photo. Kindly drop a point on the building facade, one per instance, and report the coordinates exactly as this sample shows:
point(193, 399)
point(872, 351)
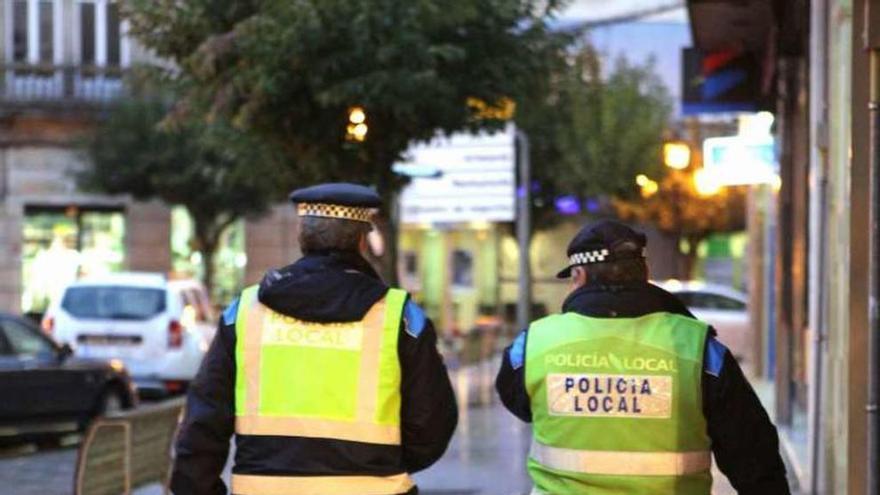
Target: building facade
point(62, 63)
point(812, 290)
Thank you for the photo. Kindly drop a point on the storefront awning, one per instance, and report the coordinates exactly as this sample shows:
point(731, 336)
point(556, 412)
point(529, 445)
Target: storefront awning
point(731, 24)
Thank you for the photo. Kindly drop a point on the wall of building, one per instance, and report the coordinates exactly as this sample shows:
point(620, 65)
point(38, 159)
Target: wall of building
point(42, 176)
point(147, 237)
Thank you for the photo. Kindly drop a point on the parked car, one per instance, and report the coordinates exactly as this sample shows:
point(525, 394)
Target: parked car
point(198, 312)
point(139, 318)
point(44, 389)
point(725, 308)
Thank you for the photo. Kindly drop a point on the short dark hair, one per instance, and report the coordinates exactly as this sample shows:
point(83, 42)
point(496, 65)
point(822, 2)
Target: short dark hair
point(330, 234)
point(628, 270)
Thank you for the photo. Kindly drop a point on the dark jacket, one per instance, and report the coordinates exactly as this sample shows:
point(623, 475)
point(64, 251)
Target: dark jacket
point(329, 287)
point(744, 441)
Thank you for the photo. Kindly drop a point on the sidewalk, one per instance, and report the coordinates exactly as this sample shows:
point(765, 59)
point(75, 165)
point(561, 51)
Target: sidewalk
point(489, 450)
point(487, 455)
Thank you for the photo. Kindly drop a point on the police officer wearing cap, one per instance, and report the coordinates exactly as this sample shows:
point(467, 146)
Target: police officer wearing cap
point(627, 392)
point(329, 380)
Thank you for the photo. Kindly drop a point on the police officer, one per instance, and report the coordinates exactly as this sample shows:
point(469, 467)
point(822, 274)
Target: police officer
point(330, 380)
point(627, 392)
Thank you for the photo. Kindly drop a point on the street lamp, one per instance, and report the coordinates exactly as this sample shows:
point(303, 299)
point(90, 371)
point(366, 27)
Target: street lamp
point(676, 154)
point(648, 187)
point(357, 125)
point(705, 183)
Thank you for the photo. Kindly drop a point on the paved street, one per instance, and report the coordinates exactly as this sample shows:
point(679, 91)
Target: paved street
point(487, 454)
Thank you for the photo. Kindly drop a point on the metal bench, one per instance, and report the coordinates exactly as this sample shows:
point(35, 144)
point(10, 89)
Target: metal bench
point(128, 450)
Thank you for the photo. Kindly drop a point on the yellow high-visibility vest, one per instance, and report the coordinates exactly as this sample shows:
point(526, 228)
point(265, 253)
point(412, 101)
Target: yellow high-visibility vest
point(617, 405)
point(336, 381)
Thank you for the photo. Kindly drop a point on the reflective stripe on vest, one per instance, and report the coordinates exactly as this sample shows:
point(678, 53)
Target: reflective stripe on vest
point(621, 463)
point(244, 484)
point(305, 379)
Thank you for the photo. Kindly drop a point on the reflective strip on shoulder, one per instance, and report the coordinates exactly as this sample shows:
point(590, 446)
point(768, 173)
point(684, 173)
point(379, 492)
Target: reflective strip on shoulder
point(518, 351)
point(249, 484)
point(415, 319)
point(621, 463)
point(715, 352)
point(230, 313)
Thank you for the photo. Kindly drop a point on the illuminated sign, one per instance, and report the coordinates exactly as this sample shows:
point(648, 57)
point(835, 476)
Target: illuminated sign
point(468, 178)
point(720, 82)
point(739, 160)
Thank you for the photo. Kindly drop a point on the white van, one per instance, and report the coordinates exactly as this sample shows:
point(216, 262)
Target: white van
point(160, 330)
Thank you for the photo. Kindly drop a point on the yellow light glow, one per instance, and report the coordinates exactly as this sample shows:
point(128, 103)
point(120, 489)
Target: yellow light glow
point(360, 132)
point(117, 365)
point(650, 188)
point(776, 182)
point(705, 183)
point(356, 115)
point(642, 179)
point(356, 132)
point(676, 154)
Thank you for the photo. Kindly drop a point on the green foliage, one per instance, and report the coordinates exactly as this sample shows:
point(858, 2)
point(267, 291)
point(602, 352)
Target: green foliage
point(218, 173)
point(593, 130)
point(292, 69)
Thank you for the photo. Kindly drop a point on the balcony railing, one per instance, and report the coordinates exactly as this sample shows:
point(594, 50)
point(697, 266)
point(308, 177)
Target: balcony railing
point(27, 85)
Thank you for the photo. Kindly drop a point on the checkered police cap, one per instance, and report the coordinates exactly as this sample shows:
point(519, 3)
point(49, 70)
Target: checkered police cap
point(587, 257)
point(342, 212)
point(337, 200)
point(603, 242)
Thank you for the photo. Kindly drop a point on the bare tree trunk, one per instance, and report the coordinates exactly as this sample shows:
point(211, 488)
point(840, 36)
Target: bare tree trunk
point(208, 269)
point(208, 234)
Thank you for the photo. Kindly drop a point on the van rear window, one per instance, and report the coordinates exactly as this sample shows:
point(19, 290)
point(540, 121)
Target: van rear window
point(114, 302)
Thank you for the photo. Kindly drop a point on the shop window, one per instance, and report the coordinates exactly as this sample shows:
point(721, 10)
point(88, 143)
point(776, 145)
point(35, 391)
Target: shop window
point(61, 245)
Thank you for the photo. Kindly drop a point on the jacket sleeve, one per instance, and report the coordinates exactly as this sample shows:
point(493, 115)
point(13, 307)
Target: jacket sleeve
point(203, 442)
point(511, 381)
point(429, 413)
point(744, 440)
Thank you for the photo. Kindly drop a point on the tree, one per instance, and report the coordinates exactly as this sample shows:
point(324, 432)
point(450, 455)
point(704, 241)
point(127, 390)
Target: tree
point(593, 130)
point(679, 210)
point(292, 71)
point(218, 173)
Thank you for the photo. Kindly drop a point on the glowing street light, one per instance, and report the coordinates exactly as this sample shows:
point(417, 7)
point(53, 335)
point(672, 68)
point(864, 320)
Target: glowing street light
point(356, 115)
point(676, 154)
point(705, 183)
point(357, 125)
point(648, 187)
